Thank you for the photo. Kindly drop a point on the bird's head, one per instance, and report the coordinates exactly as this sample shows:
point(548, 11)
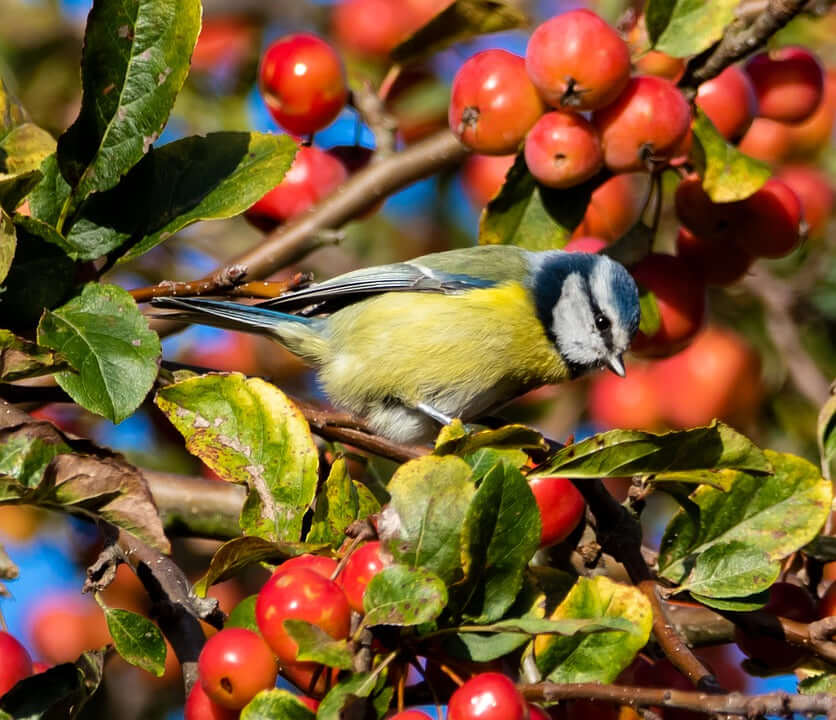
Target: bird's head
point(589, 306)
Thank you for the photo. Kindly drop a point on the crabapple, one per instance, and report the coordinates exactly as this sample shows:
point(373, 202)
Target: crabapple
point(411, 715)
point(808, 137)
point(729, 101)
point(631, 402)
point(577, 61)
point(827, 605)
point(308, 702)
point(537, 713)
point(321, 565)
point(15, 663)
point(303, 83)
point(614, 207)
point(767, 140)
point(788, 82)
point(313, 175)
point(702, 216)
point(487, 696)
point(199, 706)
point(303, 674)
point(493, 103)
point(652, 62)
point(562, 150)
point(561, 507)
point(363, 564)
point(774, 227)
point(719, 259)
point(645, 124)
point(234, 665)
point(484, 175)
point(585, 244)
point(680, 296)
point(370, 27)
point(300, 594)
point(814, 191)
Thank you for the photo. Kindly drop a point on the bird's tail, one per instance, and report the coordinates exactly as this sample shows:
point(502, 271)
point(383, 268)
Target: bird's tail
point(302, 336)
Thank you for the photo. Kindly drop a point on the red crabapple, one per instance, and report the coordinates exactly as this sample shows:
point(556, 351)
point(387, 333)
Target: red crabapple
point(562, 150)
point(15, 663)
point(645, 124)
point(365, 562)
point(815, 193)
point(719, 259)
point(303, 83)
point(493, 103)
point(199, 706)
point(234, 665)
point(484, 175)
point(321, 565)
point(370, 27)
point(788, 82)
point(767, 140)
point(774, 227)
point(585, 244)
point(411, 715)
point(729, 101)
point(577, 61)
point(487, 696)
point(631, 402)
point(614, 207)
point(561, 507)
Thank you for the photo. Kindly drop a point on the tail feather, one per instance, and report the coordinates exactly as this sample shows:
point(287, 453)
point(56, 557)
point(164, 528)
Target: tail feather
point(301, 335)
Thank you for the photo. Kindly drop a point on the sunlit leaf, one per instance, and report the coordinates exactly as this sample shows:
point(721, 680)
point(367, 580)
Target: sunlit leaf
point(399, 595)
point(137, 640)
point(686, 27)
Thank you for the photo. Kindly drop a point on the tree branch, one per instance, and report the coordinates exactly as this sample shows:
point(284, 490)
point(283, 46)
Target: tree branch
point(227, 281)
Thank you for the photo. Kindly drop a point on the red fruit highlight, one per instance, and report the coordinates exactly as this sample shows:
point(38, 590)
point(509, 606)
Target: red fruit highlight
point(561, 507)
point(585, 244)
point(234, 665)
point(815, 193)
point(487, 696)
point(644, 126)
point(321, 565)
point(720, 260)
point(493, 103)
point(631, 402)
point(788, 82)
point(680, 296)
point(303, 83)
point(365, 562)
point(484, 175)
point(300, 594)
point(562, 150)
point(577, 61)
point(15, 663)
point(729, 101)
point(200, 707)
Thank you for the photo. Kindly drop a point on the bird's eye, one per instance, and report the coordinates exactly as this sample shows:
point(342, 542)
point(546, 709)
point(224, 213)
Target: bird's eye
point(602, 322)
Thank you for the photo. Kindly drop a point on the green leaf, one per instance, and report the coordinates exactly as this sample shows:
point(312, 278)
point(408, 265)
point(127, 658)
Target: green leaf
point(20, 359)
point(272, 704)
point(530, 215)
point(739, 604)
point(8, 243)
point(248, 432)
point(566, 627)
point(687, 27)
point(316, 645)
point(478, 647)
point(238, 553)
point(356, 697)
point(22, 151)
point(599, 656)
point(826, 435)
point(777, 514)
point(501, 533)
point(461, 20)
point(107, 341)
point(44, 231)
point(59, 692)
point(454, 439)
point(49, 195)
point(421, 526)
point(135, 60)
point(137, 640)
point(822, 681)
point(727, 174)
point(651, 317)
point(337, 506)
point(400, 595)
point(731, 570)
point(27, 450)
point(243, 615)
point(629, 452)
point(197, 178)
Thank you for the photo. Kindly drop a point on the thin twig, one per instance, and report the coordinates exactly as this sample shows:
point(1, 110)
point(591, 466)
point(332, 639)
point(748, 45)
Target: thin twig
point(384, 126)
point(222, 283)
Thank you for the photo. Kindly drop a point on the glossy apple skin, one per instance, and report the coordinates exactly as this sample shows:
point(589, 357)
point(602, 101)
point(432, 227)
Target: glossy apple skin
point(234, 665)
point(680, 295)
point(561, 507)
point(303, 83)
point(767, 140)
point(300, 594)
point(785, 600)
point(774, 227)
point(814, 191)
point(321, 565)
point(199, 706)
point(614, 207)
point(577, 61)
point(721, 261)
point(645, 125)
point(365, 562)
point(631, 402)
point(493, 103)
point(487, 696)
point(730, 102)
point(788, 83)
point(15, 663)
point(563, 150)
point(484, 175)
point(370, 28)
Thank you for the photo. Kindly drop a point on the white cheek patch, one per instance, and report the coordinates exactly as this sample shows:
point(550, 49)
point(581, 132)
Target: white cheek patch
point(573, 325)
point(603, 289)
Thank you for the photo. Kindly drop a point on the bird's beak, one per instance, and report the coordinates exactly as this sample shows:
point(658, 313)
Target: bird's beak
point(616, 364)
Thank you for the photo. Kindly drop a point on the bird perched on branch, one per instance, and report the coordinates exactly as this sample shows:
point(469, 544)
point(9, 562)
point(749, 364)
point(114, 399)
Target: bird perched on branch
point(455, 334)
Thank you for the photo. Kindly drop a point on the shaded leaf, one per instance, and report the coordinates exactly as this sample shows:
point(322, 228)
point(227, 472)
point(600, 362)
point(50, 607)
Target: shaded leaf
point(49, 195)
point(651, 317)
point(135, 60)
point(822, 547)
point(400, 595)
point(485, 458)
point(20, 358)
point(600, 656)
point(248, 432)
point(479, 647)
point(342, 700)
point(422, 524)
point(459, 21)
point(243, 615)
point(826, 435)
point(27, 449)
point(629, 452)
point(337, 506)
point(567, 626)
point(454, 439)
point(687, 27)
point(22, 151)
point(44, 231)
point(777, 514)
point(739, 604)
point(316, 645)
point(8, 243)
point(720, 479)
point(727, 174)
point(137, 640)
point(731, 570)
point(107, 341)
point(501, 533)
point(532, 216)
point(272, 704)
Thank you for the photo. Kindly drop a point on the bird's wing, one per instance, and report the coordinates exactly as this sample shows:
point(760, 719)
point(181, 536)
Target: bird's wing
point(345, 289)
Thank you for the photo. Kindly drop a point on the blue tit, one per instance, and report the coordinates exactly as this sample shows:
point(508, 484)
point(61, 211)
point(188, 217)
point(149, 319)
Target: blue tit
point(454, 334)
